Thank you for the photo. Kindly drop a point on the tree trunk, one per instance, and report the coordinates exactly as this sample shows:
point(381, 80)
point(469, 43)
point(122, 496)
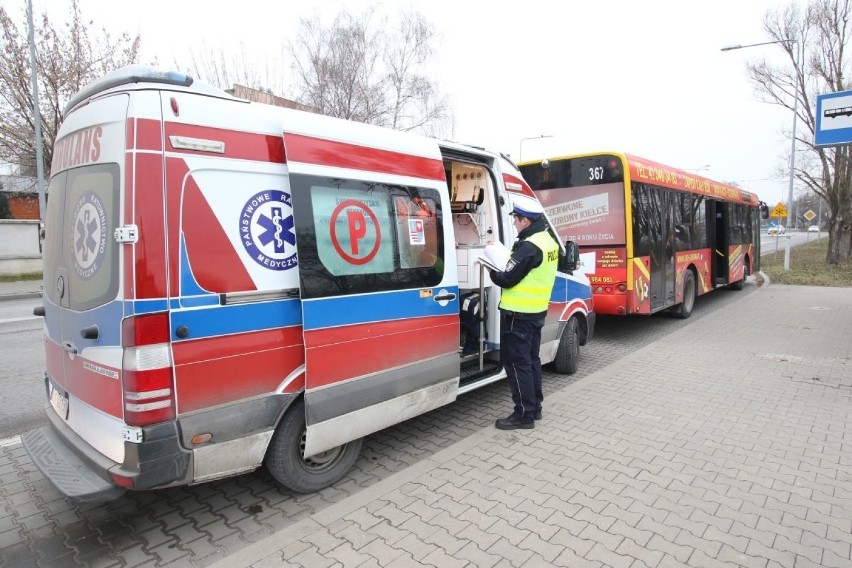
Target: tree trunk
point(840, 236)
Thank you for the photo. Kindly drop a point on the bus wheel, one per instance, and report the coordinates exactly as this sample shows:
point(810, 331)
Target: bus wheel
point(568, 351)
point(285, 461)
point(741, 283)
point(684, 309)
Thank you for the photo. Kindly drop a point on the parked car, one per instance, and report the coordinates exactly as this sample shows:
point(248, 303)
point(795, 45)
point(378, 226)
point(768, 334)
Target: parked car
point(813, 229)
point(776, 231)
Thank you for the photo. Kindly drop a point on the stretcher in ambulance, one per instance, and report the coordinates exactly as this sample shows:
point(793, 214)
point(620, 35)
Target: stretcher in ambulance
point(230, 285)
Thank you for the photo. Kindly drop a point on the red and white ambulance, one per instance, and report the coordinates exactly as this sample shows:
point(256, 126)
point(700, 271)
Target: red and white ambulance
point(230, 284)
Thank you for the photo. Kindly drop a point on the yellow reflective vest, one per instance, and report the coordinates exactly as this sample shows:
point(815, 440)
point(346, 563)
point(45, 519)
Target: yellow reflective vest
point(532, 294)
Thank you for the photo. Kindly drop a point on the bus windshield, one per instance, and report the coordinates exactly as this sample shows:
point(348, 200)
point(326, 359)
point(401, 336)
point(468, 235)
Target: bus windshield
point(584, 198)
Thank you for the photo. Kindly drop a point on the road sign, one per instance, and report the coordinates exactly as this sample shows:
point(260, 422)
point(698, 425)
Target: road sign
point(779, 211)
point(809, 215)
point(834, 119)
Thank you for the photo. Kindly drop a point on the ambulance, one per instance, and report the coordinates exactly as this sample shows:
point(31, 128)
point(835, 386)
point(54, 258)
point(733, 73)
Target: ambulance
point(231, 284)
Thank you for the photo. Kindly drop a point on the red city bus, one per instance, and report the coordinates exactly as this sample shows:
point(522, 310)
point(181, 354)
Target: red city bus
point(660, 236)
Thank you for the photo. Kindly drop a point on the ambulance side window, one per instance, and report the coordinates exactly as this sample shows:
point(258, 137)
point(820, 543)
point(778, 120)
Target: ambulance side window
point(416, 231)
point(356, 237)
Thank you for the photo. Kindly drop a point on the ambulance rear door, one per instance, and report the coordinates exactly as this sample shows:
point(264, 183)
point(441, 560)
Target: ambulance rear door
point(82, 278)
point(379, 290)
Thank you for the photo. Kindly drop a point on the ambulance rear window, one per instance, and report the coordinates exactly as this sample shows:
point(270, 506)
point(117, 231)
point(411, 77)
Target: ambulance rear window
point(81, 255)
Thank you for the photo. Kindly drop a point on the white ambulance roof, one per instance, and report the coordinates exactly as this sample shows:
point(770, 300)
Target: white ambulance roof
point(142, 74)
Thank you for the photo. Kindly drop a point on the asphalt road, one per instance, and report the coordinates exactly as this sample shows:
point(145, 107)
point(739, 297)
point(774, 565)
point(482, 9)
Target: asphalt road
point(777, 244)
point(21, 385)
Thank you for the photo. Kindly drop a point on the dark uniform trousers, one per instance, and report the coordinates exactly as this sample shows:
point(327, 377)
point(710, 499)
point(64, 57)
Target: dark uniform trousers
point(520, 340)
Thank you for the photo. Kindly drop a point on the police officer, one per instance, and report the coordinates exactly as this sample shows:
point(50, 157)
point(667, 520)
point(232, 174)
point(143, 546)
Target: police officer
point(527, 283)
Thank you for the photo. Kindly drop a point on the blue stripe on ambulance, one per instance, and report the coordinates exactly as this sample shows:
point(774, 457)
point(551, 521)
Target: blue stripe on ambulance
point(565, 288)
point(388, 306)
point(241, 318)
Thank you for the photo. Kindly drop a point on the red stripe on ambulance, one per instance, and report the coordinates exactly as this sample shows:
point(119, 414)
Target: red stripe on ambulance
point(214, 262)
point(323, 152)
point(234, 367)
point(149, 135)
point(238, 145)
point(363, 349)
point(149, 218)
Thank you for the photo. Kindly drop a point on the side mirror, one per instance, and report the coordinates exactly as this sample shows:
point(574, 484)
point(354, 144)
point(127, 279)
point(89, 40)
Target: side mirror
point(571, 260)
point(764, 210)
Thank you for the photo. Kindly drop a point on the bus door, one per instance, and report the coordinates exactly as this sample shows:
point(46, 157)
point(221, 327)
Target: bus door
point(380, 305)
point(720, 240)
point(662, 251)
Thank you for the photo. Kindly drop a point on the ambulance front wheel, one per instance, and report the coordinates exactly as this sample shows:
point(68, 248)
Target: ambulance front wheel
point(285, 462)
point(568, 352)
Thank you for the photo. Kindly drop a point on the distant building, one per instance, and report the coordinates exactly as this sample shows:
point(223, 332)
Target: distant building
point(264, 97)
point(21, 194)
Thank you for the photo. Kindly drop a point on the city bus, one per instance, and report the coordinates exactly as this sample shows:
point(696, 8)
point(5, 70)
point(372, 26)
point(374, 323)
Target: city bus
point(660, 236)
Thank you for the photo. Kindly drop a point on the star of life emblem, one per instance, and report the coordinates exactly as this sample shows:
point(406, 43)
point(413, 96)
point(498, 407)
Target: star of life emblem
point(267, 230)
point(88, 235)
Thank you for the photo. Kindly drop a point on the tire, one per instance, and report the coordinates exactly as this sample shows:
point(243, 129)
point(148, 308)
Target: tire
point(568, 352)
point(684, 309)
point(284, 459)
point(740, 284)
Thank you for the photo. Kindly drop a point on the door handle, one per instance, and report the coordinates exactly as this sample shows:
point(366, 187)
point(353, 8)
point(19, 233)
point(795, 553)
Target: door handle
point(448, 297)
point(69, 347)
point(90, 332)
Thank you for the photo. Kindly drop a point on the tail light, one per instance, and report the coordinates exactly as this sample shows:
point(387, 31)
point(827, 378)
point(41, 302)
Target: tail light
point(147, 362)
point(621, 288)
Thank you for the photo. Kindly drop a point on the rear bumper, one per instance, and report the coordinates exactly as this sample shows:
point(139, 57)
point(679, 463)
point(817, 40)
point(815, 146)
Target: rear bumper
point(82, 474)
point(81, 477)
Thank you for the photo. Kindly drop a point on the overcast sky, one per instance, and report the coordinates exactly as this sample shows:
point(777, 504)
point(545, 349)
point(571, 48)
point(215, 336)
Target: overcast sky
point(642, 76)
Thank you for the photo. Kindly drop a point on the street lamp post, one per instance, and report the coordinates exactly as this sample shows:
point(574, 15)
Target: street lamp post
point(42, 200)
point(793, 143)
point(521, 145)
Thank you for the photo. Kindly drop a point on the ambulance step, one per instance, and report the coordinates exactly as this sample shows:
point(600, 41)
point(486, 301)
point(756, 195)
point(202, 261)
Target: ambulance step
point(470, 370)
point(65, 469)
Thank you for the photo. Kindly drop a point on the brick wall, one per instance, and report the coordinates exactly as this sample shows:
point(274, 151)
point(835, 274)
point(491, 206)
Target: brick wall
point(23, 206)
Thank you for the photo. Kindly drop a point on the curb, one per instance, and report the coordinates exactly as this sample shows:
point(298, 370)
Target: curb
point(20, 296)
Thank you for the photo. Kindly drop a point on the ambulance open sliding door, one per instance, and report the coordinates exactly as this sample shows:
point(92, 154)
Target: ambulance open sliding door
point(380, 313)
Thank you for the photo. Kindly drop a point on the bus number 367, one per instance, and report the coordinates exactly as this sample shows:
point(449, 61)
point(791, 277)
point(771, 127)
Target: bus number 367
point(596, 173)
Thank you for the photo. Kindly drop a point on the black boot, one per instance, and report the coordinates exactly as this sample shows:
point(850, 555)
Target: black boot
point(513, 422)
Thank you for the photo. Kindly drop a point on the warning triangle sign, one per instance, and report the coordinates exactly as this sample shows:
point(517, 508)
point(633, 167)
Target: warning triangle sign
point(779, 211)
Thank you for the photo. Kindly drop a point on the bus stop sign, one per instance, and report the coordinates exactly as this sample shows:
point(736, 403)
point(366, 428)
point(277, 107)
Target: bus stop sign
point(834, 119)
point(779, 211)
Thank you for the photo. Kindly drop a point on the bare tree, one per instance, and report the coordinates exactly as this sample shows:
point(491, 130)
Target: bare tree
point(67, 59)
point(814, 40)
point(225, 68)
point(364, 68)
point(415, 103)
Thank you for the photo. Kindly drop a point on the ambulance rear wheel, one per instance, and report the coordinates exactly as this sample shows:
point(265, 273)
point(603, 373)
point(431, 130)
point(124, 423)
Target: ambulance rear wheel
point(568, 352)
point(285, 461)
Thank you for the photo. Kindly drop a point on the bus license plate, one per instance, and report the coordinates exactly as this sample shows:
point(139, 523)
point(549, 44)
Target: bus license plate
point(59, 401)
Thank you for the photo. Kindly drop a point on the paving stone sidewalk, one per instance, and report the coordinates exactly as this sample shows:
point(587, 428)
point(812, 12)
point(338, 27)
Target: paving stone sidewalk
point(727, 443)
